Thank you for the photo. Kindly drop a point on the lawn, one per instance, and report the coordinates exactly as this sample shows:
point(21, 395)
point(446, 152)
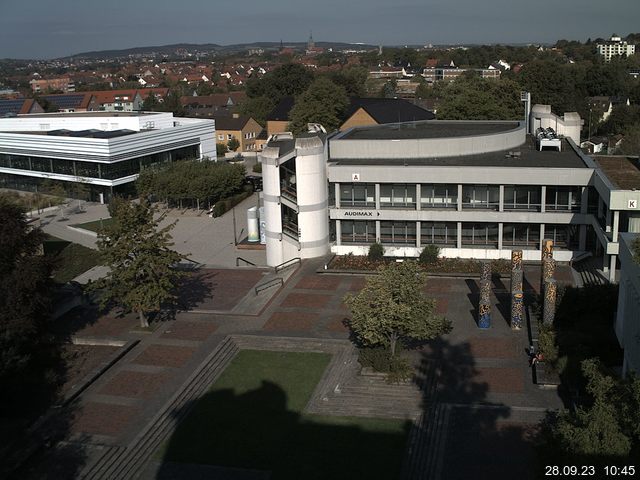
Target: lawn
point(252, 417)
point(95, 225)
point(72, 259)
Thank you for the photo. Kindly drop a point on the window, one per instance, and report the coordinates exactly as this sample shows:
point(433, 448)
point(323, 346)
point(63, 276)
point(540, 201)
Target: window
point(357, 195)
point(220, 137)
point(444, 234)
point(484, 235)
point(522, 197)
point(357, 232)
point(563, 198)
point(563, 236)
point(439, 196)
point(521, 235)
point(229, 136)
point(397, 195)
point(485, 197)
point(398, 233)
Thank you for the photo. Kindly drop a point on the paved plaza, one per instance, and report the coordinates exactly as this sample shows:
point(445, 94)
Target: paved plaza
point(479, 411)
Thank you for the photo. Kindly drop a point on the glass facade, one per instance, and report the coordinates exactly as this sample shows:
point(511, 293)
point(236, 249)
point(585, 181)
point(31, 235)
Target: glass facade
point(483, 235)
point(439, 196)
point(484, 197)
point(521, 235)
point(563, 236)
point(357, 232)
point(288, 187)
point(522, 197)
point(357, 195)
point(563, 198)
point(398, 233)
point(397, 195)
point(290, 222)
point(443, 234)
point(89, 170)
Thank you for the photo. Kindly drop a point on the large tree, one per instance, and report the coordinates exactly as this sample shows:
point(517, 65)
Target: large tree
point(142, 267)
point(25, 290)
point(323, 102)
point(287, 80)
point(392, 308)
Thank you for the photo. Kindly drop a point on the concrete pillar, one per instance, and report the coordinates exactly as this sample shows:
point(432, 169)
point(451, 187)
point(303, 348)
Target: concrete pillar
point(418, 195)
point(501, 201)
point(459, 241)
point(608, 221)
point(582, 238)
point(378, 201)
point(612, 269)
point(543, 200)
point(418, 239)
point(459, 207)
point(378, 231)
point(605, 263)
point(541, 236)
point(584, 200)
point(337, 194)
point(616, 225)
point(500, 230)
point(338, 233)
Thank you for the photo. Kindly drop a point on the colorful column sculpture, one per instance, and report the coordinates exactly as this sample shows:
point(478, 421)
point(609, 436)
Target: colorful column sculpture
point(549, 308)
point(517, 278)
point(484, 309)
point(486, 272)
point(548, 269)
point(547, 253)
point(517, 310)
point(516, 260)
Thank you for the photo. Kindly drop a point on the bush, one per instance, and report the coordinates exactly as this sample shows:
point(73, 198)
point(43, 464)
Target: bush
point(376, 252)
point(227, 204)
point(429, 254)
point(257, 168)
point(379, 359)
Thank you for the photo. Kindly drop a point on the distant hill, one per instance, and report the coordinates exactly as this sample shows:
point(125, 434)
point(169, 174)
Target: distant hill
point(209, 47)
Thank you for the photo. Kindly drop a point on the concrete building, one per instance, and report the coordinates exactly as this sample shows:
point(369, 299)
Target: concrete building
point(103, 150)
point(244, 129)
point(614, 47)
point(627, 323)
point(476, 189)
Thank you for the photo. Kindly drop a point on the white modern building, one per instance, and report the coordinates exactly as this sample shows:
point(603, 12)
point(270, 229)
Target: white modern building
point(105, 150)
point(627, 324)
point(476, 189)
point(614, 47)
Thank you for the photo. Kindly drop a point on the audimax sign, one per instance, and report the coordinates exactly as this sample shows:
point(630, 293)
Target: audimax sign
point(361, 213)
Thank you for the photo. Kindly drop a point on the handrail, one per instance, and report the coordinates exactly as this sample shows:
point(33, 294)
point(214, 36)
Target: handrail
point(245, 261)
point(287, 264)
point(268, 284)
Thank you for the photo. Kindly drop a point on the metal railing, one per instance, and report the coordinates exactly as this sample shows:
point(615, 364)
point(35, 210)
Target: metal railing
point(268, 284)
point(247, 262)
point(287, 264)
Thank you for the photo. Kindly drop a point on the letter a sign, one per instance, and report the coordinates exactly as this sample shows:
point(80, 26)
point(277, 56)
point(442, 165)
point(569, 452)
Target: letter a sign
point(355, 177)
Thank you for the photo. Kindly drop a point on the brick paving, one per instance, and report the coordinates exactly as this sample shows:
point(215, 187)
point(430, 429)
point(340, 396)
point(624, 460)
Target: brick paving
point(164, 356)
point(479, 367)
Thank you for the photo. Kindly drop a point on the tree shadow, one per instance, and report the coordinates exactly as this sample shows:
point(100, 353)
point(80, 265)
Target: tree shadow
point(503, 297)
point(194, 289)
point(256, 430)
point(474, 298)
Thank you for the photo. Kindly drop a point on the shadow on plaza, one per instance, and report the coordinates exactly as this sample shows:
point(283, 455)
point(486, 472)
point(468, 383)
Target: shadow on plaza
point(257, 431)
point(477, 435)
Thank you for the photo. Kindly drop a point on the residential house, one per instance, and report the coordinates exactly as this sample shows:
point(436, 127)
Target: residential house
point(73, 102)
point(615, 47)
point(19, 106)
point(244, 129)
point(52, 84)
point(218, 104)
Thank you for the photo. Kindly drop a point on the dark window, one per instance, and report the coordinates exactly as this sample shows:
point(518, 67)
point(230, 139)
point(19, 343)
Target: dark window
point(445, 233)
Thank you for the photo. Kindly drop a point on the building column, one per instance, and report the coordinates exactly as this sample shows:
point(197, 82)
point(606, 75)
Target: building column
point(377, 208)
point(459, 207)
point(338, 233)
point(608, 221)
point(336, 194)
point(543, 202)
point(500, 226)
point(616, 225)
point(584, 200)
point(541, 234)
point(418, 234)
point(600, 203)
point(501, 205)
point(418, 196)
point(459, 240)
point(582, 239)
point(378, 231)
point(612, 269)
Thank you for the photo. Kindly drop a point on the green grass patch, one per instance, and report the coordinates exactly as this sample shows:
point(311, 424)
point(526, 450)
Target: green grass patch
point(96, 224)
point(252, 417)
point(71, 259)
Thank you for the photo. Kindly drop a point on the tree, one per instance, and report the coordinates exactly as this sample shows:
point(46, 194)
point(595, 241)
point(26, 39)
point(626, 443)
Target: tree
point(631, 141)
point(287, 80)
point(142, 276)
point(150, 104)
point(391, 308)
point(221, 149)
point(605, 429)
point(474, 98)
point(257, 108)
point(25, 291)
point(353, 79)
point(323, 102)
point(233, 144)
point(376, 252)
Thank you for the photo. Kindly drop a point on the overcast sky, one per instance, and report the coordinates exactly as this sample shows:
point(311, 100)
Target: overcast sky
point(55, 28)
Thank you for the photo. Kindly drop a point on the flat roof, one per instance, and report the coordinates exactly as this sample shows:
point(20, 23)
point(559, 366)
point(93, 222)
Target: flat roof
point(622, 171)
point(91, 133)
point(88, 114)
point(529, 157)
point(427, 129)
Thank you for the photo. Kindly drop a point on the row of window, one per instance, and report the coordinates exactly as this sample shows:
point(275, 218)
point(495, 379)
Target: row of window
point(107, 171)
point(441, 196)
point(445, 234)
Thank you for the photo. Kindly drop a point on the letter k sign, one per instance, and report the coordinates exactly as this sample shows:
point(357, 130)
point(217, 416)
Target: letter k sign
point(632, 204)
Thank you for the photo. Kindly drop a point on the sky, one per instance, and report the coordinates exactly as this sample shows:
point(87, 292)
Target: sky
point(55, 28)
